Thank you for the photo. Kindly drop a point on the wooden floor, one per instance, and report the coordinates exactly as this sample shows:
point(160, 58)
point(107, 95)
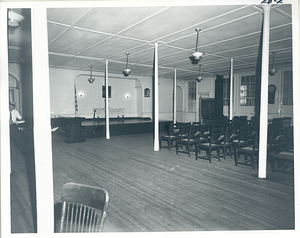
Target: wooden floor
point(162, 191)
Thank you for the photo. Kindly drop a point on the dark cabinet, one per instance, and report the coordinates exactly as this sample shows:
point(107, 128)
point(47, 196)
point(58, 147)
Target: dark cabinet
point(74, 130)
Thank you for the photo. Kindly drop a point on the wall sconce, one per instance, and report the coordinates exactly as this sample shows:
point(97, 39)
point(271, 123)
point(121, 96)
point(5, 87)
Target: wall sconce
point(127, 96)
point(80, 94)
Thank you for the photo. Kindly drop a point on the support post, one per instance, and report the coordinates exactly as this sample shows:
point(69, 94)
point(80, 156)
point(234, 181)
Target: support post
point(156, 107)
point(106, 102)
point(42, 123)
point(174, 97)
point(263, 127)
point(231, 91)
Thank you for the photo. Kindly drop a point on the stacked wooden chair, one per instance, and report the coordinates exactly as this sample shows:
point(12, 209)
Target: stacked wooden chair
point(190, 143)
point(213, 143)
point(171, 137)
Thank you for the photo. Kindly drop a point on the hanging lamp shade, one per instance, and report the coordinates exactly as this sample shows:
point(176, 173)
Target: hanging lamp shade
point(91, 79)
point(126, 71)
point(14, 19)
point(197, 55)
point(199, 78)
point(273, 70)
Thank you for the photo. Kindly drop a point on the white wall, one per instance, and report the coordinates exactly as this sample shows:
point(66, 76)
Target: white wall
point(90, 95)
point(63, 101)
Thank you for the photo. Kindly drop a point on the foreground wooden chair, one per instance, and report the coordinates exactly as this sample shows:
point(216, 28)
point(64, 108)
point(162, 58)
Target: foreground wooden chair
point(171, 137)
point(84, 208)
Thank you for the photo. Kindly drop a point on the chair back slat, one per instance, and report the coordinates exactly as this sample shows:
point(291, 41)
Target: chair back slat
point(83, 208)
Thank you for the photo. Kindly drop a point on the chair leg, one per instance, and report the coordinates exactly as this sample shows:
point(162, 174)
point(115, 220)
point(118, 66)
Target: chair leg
point(218, 150)
point(235, 157)
point(209, 155)
point(272, 163)
point(196, 151)
point(252, 160)
point(177, 147)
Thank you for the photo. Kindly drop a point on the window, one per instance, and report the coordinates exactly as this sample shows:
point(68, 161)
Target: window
point(287, 88)
point(247, 90)
point(226, 91)
point(192, 96)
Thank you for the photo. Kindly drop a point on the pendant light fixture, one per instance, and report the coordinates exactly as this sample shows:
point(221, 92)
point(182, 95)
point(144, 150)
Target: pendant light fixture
point(199, 78)
point(91, 79)
point(197, 54)
point(126, 71)
point(14, 19)
point(273, 70)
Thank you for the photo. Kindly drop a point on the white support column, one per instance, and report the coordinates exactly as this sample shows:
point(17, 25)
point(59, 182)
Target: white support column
point(263, 129)
point(5, 219)
point(156, 106)
point(174, 97)
point(42, 124)
point(231, 91)
point(106, 102)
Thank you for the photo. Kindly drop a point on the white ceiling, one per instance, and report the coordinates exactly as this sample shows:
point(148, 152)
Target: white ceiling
point(82, 37)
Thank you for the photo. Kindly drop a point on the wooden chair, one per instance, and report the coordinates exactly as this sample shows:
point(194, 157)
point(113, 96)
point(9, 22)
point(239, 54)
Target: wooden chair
point(204, 132)
point(184, 129)
point(250, 149)
point(171, 137)
point(288, 140)
point(83, 208)
point(242, 138)
point(275, 146)
point(189, 144)
point(226, 144)
point(213, 144)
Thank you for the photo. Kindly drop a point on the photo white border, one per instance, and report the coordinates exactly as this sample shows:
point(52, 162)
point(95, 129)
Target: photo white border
point(4, 120)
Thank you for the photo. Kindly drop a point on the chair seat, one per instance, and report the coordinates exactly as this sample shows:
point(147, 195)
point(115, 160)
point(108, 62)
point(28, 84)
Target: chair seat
point(225, 143)
point(284, 155)
point(248, 149)
point(167, 137)
point(285, 160)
